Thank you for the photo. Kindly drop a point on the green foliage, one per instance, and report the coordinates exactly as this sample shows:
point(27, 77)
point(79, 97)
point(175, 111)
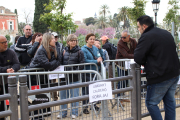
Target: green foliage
point(114, 41)
point(89, 21)
point(81, 40)
point(104, 10)
point(137, 11)
point(123, 16)
point(9, 44)
point(15, 11)
point(172, 14)
point(102, 22)
point(8, 37)
point(39, 9)
point(97, 35)
point(20, 28)
point(57, 20)
point(112, 21)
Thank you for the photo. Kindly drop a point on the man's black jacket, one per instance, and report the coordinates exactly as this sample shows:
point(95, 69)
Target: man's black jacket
point(21, 48)
point(156, 50)
point(8, 59)
point(107, 47)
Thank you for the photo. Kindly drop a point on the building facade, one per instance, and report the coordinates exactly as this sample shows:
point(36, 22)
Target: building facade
point(8, 23)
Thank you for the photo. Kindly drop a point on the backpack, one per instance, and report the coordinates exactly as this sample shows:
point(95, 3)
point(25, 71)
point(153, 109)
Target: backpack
point(114, 51)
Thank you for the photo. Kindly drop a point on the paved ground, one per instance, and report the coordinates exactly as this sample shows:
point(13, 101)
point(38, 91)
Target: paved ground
point(177, 115)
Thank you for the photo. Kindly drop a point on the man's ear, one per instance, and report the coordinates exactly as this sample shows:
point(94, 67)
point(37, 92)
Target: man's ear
point(145, 26)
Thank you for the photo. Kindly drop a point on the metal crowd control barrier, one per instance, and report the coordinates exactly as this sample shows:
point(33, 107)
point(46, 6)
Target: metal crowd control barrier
point(132, 111)
point(117, 68)
point(24, 93)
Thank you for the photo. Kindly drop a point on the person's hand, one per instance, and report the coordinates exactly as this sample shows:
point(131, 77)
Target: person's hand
point(38, 38)
point(99, 59)
point(99, 46)
point(10, 70)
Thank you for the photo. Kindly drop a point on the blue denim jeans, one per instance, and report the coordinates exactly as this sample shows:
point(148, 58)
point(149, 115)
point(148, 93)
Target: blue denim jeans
point(162, 91)
point(64, 95)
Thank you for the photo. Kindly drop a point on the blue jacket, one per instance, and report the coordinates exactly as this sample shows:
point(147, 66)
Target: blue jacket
point(88, 57)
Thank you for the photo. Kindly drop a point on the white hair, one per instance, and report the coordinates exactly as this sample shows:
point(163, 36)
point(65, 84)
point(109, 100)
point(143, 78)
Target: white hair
point(126, 31)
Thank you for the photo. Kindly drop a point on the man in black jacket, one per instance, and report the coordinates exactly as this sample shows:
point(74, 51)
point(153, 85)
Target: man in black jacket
point(22, 46)
point(156, 50)
point(107, 46)
point(8, 64)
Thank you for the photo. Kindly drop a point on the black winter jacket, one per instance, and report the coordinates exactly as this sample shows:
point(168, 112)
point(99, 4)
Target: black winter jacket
point(8, 59)
point(156, 50)
point(32, 49)
point(41, 60)
point(107, 46)
point(73, 56)
point(21, 47)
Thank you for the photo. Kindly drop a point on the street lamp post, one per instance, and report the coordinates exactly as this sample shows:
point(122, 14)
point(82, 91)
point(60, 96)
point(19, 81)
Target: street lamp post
point(155, 4)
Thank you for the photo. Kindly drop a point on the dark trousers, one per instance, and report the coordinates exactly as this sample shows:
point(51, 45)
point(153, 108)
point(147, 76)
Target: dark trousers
point(2, 107)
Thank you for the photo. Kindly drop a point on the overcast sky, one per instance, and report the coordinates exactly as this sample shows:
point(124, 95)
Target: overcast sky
point(84, 8)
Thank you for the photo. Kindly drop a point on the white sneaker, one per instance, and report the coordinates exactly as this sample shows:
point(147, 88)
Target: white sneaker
point(59, 117)
point(73, 116)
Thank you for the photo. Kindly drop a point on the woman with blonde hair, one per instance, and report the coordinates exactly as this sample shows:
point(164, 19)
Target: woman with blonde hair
point(71, 55)
point(46, 56)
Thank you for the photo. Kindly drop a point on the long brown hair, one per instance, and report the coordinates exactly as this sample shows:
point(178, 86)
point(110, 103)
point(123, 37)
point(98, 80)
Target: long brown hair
point(45, 43)
point(34, 37)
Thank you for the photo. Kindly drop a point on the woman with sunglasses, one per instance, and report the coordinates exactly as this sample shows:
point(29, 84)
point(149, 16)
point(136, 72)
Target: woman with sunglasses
point(71, 55)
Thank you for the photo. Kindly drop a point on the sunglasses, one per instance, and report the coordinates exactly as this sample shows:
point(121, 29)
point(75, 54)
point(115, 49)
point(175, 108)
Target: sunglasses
point(56, 36)
point(124, 37)
point(4, 42)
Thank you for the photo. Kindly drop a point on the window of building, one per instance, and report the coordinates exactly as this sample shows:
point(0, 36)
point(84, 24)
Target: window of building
point(1, 11)
point(11, 27)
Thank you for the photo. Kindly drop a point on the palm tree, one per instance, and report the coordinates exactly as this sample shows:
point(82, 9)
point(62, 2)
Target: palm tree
point(104, 10)
point(112, 21)
point(102, 22)
point(123, 15)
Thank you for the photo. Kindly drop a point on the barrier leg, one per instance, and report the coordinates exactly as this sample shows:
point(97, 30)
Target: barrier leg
point(135, 102)
point(23, 97)
point(12, 87)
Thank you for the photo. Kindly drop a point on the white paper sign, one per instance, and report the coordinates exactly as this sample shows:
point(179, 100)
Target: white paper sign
point(127, 63)
point(100, 91)
point(55, 76)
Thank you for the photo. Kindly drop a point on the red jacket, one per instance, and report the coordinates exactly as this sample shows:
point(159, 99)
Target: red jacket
point(123, 51)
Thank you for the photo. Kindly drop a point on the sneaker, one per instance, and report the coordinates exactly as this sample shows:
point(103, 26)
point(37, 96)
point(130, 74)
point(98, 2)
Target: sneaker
point(96, 108)
point(85, 111)
point(60, 116)
point(73, 116)
point(98, 102)
point(125, 100)
point(121, 104)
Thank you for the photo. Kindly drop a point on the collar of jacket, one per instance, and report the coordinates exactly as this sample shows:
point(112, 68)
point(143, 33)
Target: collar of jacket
point(149, 28)
point(124, 44)
point(28, 37)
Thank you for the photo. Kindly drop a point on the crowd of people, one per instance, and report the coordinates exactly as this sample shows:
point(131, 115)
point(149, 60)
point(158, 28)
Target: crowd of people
point(44, 51)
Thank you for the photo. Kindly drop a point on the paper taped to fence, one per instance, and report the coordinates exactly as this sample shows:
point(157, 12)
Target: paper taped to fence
point(100, 91)
point(127, 63)
point(55, 76)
